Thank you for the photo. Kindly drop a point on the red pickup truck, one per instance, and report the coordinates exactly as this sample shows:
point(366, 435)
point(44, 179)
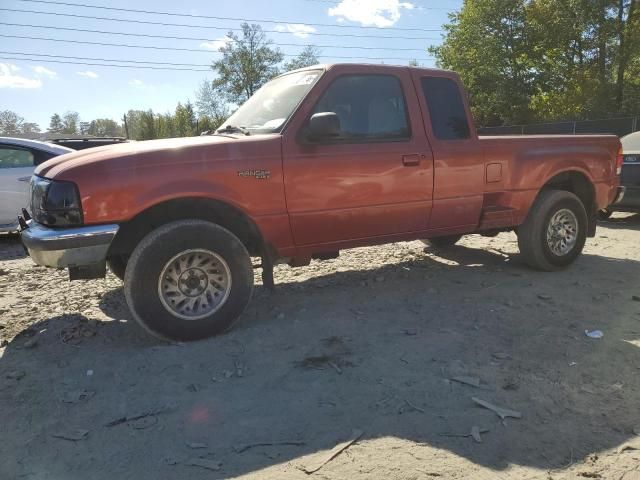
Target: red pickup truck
point(318, 160)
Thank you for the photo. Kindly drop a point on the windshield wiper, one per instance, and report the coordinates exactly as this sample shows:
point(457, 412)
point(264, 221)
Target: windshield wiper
point(233, 129)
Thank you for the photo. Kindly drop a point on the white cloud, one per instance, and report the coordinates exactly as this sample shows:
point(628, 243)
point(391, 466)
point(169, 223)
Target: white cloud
point(44, 71)
point(378, 13)
point(136, 83)
point(298, 29)
point(9, 80)
point(88, 74)
point(215, 44)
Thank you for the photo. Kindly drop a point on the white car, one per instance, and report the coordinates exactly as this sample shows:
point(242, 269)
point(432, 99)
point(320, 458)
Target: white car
point(18, 159)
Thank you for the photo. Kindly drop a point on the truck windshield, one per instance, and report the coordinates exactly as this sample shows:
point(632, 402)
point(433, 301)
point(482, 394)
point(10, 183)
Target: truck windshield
point(270, 107)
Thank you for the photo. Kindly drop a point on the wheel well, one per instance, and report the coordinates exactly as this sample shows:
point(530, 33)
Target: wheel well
point(221, 213)
point(578, 184)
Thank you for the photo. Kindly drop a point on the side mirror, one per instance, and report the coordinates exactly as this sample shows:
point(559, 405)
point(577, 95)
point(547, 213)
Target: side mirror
point(324, 125)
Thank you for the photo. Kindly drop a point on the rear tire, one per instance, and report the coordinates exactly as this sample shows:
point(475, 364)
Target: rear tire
point(442, 242)
point(554, 232)
point(188, 280)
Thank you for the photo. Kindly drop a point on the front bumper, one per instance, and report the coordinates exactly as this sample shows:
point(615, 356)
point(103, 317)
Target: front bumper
point(68, 247)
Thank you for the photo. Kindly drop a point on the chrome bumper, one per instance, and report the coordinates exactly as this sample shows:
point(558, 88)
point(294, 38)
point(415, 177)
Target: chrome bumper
point(69, 247)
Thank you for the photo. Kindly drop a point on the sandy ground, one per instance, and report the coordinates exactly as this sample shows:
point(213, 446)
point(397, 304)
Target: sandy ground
point(368, 342)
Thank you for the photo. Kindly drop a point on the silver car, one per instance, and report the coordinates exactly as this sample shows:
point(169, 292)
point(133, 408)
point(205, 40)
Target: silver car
point(18, 159)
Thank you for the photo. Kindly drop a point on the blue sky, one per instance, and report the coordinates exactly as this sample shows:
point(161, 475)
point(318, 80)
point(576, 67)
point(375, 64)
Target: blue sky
point(35, 88)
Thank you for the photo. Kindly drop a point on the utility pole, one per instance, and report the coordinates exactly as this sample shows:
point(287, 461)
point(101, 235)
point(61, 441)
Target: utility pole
point(126, 127)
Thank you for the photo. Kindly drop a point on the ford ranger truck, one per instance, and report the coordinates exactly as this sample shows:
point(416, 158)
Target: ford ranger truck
point(318, 160)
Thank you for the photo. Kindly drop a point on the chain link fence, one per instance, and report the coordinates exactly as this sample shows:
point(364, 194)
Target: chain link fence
point(617, 126)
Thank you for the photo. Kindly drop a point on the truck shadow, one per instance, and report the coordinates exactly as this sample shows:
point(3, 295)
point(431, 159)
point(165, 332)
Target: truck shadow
point(11, 247)
point(360, 349)
point(622, 221)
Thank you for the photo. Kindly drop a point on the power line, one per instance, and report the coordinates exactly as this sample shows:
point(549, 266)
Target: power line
point(195, 64)
point(235, 19)
point(42, 60)
point(147, 35)
point(164, 24)
point(201, 50)
point(105, 59)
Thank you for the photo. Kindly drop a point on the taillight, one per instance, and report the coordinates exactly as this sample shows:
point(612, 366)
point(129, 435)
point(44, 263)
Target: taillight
point(619, 161)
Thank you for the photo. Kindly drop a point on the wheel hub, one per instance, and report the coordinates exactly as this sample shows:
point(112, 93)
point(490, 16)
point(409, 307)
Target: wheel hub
point(194, 284)
point(562, 232)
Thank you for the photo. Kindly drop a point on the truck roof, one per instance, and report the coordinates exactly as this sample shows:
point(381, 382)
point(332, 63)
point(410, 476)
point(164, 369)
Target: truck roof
point(373, 66)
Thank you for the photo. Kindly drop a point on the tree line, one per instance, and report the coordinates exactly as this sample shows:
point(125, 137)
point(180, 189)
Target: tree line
point(526, 61)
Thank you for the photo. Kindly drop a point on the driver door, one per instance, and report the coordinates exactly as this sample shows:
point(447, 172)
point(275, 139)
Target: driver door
point(376, 178)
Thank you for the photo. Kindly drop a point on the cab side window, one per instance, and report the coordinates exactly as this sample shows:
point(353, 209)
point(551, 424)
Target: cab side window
point(370, 108)
point(15, 158)
point(446, 108)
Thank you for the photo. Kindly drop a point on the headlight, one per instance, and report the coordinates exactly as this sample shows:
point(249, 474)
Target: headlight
point(55, 203)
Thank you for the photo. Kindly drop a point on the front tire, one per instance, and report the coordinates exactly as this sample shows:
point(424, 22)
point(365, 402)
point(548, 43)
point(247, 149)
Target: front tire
point(554, 232)
point(188, 280)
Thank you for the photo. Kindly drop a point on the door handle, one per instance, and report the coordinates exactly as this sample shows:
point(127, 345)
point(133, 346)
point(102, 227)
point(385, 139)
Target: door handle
point(411, 160)
point(24, 179)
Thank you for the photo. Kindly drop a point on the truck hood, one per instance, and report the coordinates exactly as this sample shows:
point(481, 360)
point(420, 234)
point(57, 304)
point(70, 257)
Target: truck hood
point(149, 152)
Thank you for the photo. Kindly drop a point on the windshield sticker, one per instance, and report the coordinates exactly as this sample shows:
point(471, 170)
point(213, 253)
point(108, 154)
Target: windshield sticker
point(307, 79)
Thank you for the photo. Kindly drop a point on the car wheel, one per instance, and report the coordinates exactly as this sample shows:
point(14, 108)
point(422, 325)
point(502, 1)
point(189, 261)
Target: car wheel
point(604, 214)
point(117, 265)
point(442, 242)
point(554, 232)
point(188, 280)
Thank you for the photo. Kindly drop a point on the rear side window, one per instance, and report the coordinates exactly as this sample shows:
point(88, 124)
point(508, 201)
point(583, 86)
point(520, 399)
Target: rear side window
point(370, 107)
point(446, 109)
point(15, 158)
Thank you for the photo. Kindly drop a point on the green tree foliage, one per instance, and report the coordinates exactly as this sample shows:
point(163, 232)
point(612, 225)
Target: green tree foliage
point(306, 58)
point(55, 124)
point(148, 129)
point(165, 126)
point(70, 122)
point(30, 129)
point(212, 106)
point(487, 43)
point(10, 123)
point(184, 120)
point(248, 62)
point(536, 60)
point(104, 127)
point(208, 124)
